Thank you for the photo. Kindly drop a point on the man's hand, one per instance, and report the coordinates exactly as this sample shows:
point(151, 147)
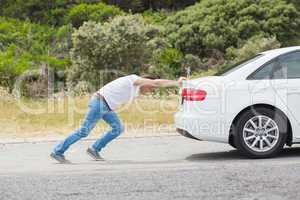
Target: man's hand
point(180, 80)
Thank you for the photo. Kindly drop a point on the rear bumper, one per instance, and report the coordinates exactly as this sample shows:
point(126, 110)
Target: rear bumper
point(202, 127)
point(186, 134)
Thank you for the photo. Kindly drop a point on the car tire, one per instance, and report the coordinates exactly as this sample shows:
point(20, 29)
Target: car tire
point(260, 132)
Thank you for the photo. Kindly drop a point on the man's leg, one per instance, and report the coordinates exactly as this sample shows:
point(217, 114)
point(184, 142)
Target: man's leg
point(117, 128)
point(93, 115)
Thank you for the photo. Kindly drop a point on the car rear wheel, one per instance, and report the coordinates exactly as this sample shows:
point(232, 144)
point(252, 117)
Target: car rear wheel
point(261, 133)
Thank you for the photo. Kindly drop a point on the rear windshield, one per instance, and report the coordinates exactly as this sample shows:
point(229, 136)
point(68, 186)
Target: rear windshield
point(233, 67)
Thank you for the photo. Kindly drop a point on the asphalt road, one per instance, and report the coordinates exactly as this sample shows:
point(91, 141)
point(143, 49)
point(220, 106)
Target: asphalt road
point(155, 168)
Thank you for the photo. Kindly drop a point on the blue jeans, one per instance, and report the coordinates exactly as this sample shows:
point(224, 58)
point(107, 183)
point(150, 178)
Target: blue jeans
point(98, 109)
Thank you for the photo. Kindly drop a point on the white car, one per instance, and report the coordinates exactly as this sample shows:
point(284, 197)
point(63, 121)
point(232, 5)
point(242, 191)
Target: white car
point(255, 106)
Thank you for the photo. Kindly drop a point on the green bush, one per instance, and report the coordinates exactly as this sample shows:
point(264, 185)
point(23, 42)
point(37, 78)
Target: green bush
point(15, 61)
point(192, 63)
point(155, 17)
point(168, 4)
point(128, 5)
point(23, 34)
point(25, 46)
point(12, 65)
point(219, 24)
point(142, 5)
point(252, 47)
point(295, 2)
point(168, 63)
point(121, 46)
point(51, 12)
point(91, 12)
point(37, 39)
point(172, 63)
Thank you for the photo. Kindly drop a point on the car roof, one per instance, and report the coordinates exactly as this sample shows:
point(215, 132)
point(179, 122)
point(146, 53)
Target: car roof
point(281, 50)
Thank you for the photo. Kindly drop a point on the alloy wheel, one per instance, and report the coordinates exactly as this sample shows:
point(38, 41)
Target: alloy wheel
point(260, 133)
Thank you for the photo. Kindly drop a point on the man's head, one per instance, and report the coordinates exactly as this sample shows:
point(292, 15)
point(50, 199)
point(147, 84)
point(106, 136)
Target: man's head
point(147, 88)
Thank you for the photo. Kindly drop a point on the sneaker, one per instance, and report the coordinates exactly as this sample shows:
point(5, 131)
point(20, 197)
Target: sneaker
point(59, 158)
point(94, 154)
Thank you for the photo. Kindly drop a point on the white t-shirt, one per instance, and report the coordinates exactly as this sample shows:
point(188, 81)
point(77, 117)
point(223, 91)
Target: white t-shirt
point(119, 91)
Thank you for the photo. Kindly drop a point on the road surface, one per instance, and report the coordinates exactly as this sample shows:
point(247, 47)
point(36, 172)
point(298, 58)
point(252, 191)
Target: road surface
point(149, 168)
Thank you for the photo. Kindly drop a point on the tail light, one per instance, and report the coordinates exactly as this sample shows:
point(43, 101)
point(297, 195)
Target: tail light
point(190, 94)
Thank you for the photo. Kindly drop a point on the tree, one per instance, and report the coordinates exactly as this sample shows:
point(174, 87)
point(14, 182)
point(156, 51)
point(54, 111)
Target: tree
point(25, 46)
point(49, 12)
point(91, 12)
point(128, 5)
point(219, 24)
point(168, 63)
point(167, 4)
point(295, 2)
point(142, 5)
point(123, 45)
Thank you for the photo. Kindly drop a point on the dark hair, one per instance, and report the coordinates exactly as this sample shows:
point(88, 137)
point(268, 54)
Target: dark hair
point(150, 76)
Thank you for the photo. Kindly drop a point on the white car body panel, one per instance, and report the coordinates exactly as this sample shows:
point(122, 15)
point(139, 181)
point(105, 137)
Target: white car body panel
point(228, 95)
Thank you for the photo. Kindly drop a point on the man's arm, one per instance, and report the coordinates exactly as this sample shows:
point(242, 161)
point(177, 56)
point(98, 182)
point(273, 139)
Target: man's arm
point(159, 82)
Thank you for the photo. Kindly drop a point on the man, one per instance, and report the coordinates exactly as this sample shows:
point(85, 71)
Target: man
point(102, 106)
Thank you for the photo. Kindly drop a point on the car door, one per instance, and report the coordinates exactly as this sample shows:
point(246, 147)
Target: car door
point(279, 80)
point(270, 84)
point(290, 63)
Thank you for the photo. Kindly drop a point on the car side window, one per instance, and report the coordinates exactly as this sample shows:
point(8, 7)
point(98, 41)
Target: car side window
point(291, 64)
point(272, 70)
point(283, 67)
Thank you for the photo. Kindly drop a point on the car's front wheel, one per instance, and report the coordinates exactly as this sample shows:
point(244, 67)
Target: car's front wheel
point(260, 133)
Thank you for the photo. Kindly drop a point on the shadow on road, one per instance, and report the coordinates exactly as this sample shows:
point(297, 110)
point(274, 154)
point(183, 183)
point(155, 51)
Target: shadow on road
point(235, 155)
point(290, 152)
point(226, 155)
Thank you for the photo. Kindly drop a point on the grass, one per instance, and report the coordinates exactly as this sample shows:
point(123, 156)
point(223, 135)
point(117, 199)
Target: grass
point(60, 116)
